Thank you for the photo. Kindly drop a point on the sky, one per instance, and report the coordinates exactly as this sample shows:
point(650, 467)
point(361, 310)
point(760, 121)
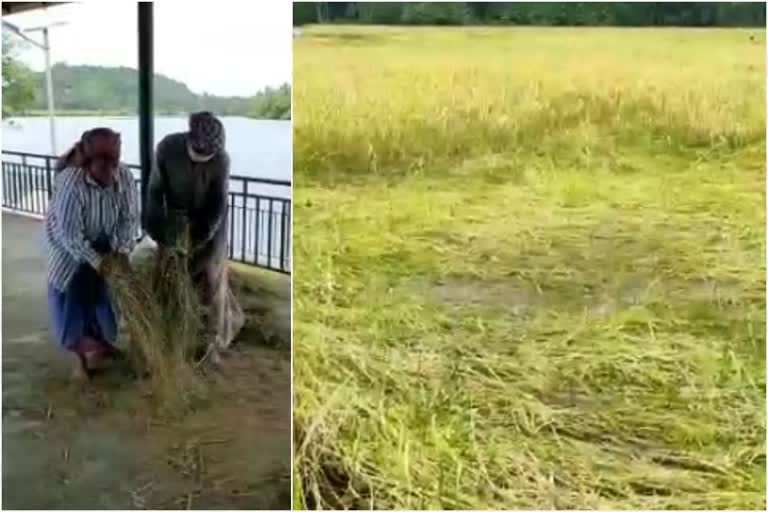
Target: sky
point(235, 50)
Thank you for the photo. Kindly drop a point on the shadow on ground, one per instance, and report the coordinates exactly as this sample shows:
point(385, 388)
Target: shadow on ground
point(100, 446)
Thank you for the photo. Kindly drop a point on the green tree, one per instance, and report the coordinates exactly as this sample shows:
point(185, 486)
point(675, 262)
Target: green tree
point(18, 84)
point(303, 13)
point(272, 103)
point(435, 13)
point(384, 13)
point(750, 14)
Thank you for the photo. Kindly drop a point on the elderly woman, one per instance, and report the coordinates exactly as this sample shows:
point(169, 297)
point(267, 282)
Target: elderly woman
point(188, 189)
point(90, 227)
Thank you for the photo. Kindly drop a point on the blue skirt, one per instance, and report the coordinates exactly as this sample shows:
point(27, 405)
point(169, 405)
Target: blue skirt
point(83, 309)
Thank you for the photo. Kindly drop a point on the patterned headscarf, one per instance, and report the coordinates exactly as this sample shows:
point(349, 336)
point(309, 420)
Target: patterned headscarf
point(206, 134)
point(98, 143)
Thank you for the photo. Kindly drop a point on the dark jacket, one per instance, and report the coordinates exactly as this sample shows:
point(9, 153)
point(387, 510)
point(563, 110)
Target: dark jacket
point(182, 190)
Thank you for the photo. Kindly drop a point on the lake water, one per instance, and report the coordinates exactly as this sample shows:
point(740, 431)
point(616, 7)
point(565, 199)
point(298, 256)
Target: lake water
point(257, 148)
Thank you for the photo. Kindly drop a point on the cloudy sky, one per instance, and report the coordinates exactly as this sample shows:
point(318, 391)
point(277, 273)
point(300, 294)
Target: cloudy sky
point(234, 50)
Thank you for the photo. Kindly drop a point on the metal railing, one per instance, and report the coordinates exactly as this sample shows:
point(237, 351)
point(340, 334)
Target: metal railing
point(259, 222)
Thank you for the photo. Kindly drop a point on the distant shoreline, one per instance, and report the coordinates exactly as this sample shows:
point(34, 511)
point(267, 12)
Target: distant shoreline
point(118, 115)
point(76, 113)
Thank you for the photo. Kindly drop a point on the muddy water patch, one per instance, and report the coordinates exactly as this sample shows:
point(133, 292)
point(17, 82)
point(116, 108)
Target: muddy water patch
point(525, 299)
point(513, 296)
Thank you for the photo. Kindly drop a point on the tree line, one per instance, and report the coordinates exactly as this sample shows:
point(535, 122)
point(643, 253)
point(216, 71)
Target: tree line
point(114, 90)
point(87, 88)
point(696, 14)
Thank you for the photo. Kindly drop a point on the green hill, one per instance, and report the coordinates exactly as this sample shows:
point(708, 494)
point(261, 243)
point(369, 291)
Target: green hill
point(84, 89)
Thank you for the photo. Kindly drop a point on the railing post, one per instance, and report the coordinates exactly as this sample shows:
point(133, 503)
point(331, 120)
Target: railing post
point(16, 185)
point(243, 237)
point(283, 234)
point(22, 182)
point(14, 194)
point(30, 194)
point(37, 207)
point(48, 177)
point(231, 219)
point(258, 230)
point(269, 232)
point(6, 187)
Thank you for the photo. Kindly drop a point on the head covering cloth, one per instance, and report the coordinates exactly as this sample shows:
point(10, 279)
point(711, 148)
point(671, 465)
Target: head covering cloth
point(98, 143)
point(206, 134)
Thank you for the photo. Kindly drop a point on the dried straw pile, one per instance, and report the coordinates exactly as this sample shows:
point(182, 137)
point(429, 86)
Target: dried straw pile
point(161, 322)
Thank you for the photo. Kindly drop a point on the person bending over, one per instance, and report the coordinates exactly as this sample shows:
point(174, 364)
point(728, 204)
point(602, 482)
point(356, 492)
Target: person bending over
point(188, 190)
point(91, 225)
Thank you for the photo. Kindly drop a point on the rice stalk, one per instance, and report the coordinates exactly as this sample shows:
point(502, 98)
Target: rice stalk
point(161, 319)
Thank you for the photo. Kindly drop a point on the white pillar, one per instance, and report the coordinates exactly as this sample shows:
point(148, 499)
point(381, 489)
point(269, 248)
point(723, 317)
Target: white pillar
point(49, 90)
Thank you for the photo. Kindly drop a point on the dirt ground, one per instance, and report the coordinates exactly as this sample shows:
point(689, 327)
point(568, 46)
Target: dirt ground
point(100, 446)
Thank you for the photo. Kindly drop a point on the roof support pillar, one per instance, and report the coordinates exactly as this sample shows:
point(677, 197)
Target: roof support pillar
point(146, 116)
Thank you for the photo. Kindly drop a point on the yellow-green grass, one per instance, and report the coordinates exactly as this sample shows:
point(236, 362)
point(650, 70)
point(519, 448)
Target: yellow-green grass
point(529, 268)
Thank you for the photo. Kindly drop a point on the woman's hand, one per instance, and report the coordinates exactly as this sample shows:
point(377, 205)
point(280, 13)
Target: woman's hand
point(112, 263)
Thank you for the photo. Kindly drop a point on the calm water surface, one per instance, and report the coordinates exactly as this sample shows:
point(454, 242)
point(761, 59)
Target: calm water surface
point(258, 148)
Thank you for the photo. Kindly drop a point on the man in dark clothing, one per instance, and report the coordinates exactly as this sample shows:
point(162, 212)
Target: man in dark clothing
point(188, 188)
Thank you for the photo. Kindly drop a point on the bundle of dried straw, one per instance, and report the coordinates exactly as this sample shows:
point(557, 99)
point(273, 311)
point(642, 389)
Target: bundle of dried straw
point(161, 321)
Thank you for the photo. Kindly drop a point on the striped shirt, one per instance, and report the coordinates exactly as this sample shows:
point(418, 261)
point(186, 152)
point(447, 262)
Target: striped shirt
point(81, 211)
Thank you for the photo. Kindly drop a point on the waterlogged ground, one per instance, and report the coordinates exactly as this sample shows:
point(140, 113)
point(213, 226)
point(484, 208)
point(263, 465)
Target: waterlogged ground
point(532, 268)
point(102, 447)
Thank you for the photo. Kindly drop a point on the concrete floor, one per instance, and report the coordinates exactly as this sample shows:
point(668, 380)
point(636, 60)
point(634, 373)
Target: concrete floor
point(24, 311)
point(69, 447)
